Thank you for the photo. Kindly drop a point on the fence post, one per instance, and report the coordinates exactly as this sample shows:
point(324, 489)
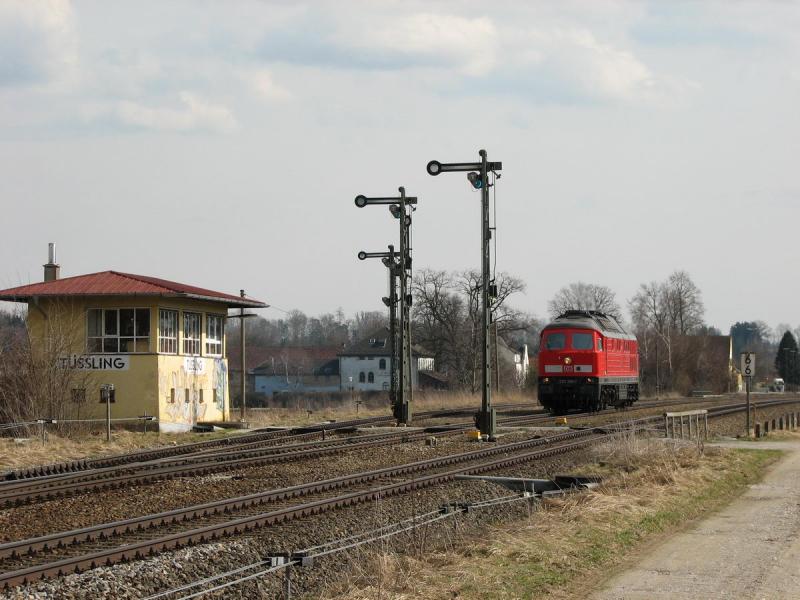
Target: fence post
point(666, 425)
point(287, 582)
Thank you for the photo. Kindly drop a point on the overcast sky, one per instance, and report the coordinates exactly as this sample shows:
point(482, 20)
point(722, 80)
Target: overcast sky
point(222, 143)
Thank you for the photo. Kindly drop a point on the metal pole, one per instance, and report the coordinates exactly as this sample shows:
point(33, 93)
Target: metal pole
point(405, 382)
point(486, 422)
point(108, 415)
point(747, 424)
point(393, 365)
point(242, 409)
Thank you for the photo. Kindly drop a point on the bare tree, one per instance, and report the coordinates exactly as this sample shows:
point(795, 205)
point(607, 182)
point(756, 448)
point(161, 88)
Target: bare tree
point(447, 319)
point(684, 303)
point(36, 380)
point(584, 296)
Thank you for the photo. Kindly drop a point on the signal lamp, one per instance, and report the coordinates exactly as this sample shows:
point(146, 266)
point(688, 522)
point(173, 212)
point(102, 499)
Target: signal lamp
point(362, 255)
point(434, 167)
point(395, 210)
point(475, 179)
point(361, 201)
point(567, 361)
point(386, 301)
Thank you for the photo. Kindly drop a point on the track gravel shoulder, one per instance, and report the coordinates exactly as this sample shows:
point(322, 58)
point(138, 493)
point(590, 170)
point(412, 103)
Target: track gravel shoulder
point(748, 550)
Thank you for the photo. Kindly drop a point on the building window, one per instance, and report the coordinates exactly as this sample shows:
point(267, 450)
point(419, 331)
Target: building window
point(118, 330)
point(382, 364)
point(215, 328)
point(191, 333)
point(361, 377)
point(168, 331)
point(371, 377)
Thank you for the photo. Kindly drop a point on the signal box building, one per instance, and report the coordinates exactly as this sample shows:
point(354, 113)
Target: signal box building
point(160, 343)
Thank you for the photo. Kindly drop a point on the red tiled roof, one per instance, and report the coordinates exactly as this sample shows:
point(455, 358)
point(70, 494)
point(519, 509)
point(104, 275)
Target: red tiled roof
point(113, 283)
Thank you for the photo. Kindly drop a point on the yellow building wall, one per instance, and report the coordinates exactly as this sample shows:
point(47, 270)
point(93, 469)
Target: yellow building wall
point(59, 328)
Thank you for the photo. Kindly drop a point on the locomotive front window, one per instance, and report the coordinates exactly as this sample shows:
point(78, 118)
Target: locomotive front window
point(582, 341)
point(555, 341)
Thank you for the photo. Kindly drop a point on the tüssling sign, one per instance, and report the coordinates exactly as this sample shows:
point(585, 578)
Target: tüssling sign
point(95, 362)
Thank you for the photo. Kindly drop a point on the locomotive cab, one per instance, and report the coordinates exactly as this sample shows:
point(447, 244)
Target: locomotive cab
point(587, 361)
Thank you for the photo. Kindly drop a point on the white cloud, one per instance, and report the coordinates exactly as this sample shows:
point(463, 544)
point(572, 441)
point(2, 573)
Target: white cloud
point(262, 81)
point(467, 44)
point(195, 115)
point(573, 62)
point(37, 42)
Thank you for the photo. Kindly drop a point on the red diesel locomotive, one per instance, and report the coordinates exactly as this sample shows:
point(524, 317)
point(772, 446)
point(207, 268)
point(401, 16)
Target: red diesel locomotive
point(587, 361)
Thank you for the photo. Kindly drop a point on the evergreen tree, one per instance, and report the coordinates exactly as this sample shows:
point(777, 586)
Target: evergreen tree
point(787, 360)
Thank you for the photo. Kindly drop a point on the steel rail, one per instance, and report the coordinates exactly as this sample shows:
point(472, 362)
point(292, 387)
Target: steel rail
point(257, 436)
point(61, 539)
point(250, 523)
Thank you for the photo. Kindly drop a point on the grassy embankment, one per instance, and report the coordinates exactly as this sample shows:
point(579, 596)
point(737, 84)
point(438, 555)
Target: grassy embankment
point(570, 545)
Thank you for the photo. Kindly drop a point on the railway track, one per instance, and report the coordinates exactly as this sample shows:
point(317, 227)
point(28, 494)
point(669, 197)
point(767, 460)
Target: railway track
point(67, 552)
point(257, 437)
point(207, 460)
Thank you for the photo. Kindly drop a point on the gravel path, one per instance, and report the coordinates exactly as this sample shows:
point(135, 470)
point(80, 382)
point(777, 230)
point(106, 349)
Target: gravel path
point(749, 550)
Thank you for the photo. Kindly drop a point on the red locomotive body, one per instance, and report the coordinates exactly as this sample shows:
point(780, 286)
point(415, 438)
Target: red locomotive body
point(587, 361)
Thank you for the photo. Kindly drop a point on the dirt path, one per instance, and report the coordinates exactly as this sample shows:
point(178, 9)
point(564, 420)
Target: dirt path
point(751, 549)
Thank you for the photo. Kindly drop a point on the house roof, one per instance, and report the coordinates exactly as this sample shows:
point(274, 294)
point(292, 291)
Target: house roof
point(303, 359)
point(114, 283)
point(378, 344)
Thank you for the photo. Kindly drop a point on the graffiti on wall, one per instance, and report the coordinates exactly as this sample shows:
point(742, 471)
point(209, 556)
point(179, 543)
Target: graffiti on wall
point(192, 395)
point(220, 382)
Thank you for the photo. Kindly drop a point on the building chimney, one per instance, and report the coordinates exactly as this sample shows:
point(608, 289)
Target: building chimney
point(52, 270)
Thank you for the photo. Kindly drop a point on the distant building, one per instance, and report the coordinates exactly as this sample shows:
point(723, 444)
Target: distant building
point(366, 365)
point(160, 343)
point(515, 361)
point(301, 369)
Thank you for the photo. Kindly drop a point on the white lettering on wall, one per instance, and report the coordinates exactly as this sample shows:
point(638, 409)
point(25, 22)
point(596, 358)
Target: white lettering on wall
point(194, 365)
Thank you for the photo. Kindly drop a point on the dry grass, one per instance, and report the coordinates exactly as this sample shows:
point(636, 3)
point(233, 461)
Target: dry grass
point(422, 402)
point(569, 545)
point(31, 451)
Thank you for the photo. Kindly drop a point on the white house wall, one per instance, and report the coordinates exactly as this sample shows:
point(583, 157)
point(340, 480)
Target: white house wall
point(351, 366)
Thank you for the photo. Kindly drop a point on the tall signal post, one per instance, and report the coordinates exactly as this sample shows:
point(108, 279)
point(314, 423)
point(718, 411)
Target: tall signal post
point(401, 207)
point(478, 176)
point(389, 259)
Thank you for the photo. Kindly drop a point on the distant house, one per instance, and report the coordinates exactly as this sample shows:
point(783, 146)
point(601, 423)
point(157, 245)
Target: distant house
point(296, 370)
point(366, 365)
point(516, 361)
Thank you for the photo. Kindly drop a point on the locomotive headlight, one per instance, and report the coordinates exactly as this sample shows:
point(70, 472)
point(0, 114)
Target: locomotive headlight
point(567, 361)
point(546, 380)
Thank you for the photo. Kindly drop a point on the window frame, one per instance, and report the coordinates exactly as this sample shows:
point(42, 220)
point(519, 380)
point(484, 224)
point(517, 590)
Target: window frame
point(583, 335)
point(371, 377)
point(175, 338)
point(187, 340)
point(103, 336)
point(209, 340)
point(549, 334)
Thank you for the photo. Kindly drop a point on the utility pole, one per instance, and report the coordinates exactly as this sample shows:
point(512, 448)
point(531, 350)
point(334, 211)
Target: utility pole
point(401, 208)
point(391, 302)
point(243, 381)
point(478, 176)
